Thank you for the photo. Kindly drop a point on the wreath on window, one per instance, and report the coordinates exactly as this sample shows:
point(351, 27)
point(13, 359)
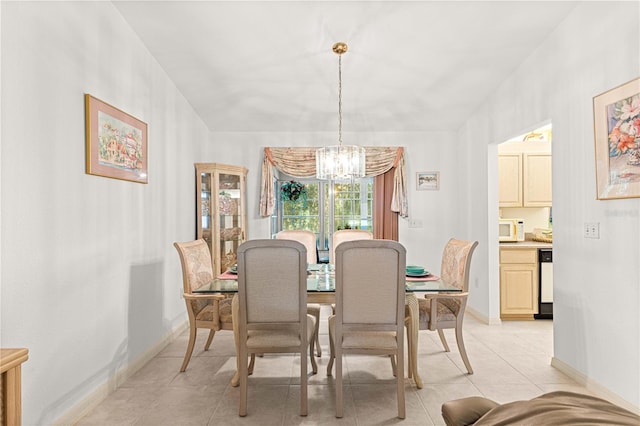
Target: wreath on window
point(293, 191)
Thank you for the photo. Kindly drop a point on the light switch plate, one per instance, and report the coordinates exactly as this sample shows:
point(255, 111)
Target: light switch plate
point(415, 223)
point(592, 230)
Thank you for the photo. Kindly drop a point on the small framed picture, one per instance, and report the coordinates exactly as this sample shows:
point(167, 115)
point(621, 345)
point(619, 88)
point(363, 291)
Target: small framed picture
point(427, 181)
point(116, 142)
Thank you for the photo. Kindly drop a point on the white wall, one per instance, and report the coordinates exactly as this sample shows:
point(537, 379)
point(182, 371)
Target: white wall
point(596, 282)
point(90, 280)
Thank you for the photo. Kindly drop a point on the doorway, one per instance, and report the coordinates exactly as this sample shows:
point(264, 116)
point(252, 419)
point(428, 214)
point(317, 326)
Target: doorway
point(524, 193)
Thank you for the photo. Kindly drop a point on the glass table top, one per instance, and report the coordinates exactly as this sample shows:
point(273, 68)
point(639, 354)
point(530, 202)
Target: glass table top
point(318, 281)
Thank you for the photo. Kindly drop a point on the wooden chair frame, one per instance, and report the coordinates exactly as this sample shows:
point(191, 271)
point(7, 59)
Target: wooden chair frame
point(360, 266)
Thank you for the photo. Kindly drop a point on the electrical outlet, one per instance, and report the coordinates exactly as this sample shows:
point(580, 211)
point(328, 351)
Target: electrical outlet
point(592, 230)
point(415, 223)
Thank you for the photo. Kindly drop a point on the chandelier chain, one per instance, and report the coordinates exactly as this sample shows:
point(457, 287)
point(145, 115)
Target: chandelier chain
point(340, 99)
point(338, 162)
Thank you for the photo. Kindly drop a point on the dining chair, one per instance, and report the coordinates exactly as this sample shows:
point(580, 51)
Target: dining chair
point(343, 235)
point(208, 311)
point(375, 327)
point(441, 311)
point(272, 308)
point(307, 238)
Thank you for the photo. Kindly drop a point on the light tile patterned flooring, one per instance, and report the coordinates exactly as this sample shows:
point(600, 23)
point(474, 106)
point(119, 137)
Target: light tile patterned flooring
point(511, 361)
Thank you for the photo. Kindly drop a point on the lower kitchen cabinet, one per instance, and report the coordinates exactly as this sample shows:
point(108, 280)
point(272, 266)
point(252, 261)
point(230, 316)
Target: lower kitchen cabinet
point(518, 283)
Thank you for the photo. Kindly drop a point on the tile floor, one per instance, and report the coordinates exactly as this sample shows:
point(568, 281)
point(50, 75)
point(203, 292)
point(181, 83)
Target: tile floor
point(510, 361)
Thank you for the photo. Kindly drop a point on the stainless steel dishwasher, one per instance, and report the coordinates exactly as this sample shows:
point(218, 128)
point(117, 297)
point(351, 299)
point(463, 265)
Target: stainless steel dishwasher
point(545, 284)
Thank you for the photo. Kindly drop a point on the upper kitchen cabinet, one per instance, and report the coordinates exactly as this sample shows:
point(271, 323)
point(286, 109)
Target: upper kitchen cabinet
point(510, 180)
point(524, 180)
point(221, 211)
point(537, 180)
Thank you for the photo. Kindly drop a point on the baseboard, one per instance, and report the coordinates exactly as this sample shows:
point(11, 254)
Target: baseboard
point(79, 410)
point(593, 386)
point(482, 317)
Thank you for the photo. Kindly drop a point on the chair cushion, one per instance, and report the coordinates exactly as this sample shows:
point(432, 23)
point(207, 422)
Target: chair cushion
point(257, 339)
point(445, 313)
point(370, 340)
point(206, 312)
point(452, 304)
point(225, 311)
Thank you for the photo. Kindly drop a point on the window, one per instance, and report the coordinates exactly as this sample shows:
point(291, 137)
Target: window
point(328, 206)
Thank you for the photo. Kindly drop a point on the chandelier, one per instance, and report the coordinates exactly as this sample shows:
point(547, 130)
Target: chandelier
point(340, 162)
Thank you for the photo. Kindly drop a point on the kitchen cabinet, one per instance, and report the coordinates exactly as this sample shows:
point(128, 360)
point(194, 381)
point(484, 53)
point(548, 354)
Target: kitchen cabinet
point(510, 180)
point(518, 283)
point(536, 180)
point(221, 211)
point(524, 180)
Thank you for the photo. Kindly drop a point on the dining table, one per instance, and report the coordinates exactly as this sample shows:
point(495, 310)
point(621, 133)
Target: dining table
point(321, 289)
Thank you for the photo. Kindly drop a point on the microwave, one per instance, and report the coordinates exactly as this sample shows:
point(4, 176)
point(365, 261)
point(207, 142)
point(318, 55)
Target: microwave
point(511, 230)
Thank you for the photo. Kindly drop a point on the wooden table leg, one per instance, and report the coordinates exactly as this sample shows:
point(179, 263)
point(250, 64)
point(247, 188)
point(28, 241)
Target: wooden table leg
point(414, 316)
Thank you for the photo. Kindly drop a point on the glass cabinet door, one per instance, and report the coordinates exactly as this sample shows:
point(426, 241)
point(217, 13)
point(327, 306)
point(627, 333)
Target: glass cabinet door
point(231, 233)
point(221, 211)
point(205, 226)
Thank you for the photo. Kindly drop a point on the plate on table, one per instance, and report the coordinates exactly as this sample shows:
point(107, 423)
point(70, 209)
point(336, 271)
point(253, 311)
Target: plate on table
point(418, 275)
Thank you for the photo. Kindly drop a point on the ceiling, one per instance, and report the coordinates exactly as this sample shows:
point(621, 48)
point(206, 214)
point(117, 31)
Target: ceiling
point(267, 66)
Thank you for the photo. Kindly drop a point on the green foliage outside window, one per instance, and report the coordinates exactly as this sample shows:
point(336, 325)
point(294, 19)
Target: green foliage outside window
point(349, 208)
point(348, 205)
point(297, 215)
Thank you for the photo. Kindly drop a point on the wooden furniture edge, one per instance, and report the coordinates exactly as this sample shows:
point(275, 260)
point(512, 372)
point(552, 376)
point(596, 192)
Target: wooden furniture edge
point(11, 357)
point(11, 360)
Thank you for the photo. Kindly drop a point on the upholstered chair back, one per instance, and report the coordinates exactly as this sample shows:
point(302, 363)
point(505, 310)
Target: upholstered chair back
point(196, 267)
point(305, 237)
point(370, 267)
point(347, 235)
point(456, 258)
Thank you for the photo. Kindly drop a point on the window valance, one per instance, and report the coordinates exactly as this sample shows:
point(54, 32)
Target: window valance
point(301, 162)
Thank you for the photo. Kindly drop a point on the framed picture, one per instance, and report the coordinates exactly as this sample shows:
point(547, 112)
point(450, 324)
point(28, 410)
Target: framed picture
point(428, 180)
point(116, 142)
point(616, 119)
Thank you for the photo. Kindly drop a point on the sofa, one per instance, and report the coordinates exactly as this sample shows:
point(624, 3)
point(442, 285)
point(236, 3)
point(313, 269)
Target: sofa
point(555, 408)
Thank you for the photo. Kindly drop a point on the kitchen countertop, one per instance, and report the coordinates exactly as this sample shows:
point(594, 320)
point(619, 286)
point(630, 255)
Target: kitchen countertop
point(527, 244)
